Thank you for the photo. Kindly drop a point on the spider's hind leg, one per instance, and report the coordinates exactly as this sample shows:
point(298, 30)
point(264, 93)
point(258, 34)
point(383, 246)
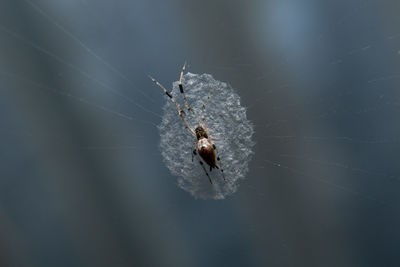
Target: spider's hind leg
point(202, 165)
point(220, 168)
point(194, 150)
point(220, 164)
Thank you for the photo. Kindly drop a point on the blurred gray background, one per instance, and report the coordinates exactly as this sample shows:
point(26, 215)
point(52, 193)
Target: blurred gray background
point(82, 181)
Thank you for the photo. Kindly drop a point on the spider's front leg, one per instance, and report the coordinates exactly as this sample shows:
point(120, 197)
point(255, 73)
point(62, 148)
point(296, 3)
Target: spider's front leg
point(189, 108)
point(181, 112)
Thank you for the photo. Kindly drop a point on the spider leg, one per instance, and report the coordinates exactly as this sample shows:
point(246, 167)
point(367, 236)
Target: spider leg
point(220, 168)
point(220, 163)
point(181, 112)
point(203, 108)
point(201, 162)
point(189, 108)
point(216, 138)
point(202, 165)
point(194, 150)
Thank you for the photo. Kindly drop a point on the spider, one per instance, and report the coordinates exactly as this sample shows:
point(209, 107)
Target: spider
point(203, 145)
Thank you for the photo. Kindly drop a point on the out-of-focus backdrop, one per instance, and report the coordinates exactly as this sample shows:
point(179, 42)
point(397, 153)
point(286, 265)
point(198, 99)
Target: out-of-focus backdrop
point(82, 181)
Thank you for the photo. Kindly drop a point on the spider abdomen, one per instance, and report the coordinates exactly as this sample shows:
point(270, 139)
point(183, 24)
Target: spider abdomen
point(206, 151)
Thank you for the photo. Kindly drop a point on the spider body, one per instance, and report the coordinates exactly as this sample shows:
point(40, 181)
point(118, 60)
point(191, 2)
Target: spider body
point(204, 146)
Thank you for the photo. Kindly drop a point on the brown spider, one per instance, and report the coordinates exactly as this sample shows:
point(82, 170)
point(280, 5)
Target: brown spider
point(203, 146)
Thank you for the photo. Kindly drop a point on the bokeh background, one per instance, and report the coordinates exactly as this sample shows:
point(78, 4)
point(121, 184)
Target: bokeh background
point(82, 181)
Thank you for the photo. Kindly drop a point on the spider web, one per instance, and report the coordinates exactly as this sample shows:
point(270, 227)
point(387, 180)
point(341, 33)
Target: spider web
point(225, 120)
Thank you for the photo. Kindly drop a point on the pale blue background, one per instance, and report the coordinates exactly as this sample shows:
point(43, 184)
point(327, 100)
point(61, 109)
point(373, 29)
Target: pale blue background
point(83, 186)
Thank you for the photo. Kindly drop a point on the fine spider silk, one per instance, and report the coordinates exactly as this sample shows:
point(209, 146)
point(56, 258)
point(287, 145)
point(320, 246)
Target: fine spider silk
point(205, 136)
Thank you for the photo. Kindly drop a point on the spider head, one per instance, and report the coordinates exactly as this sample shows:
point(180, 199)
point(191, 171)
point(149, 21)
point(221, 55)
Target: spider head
point(201, 132)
